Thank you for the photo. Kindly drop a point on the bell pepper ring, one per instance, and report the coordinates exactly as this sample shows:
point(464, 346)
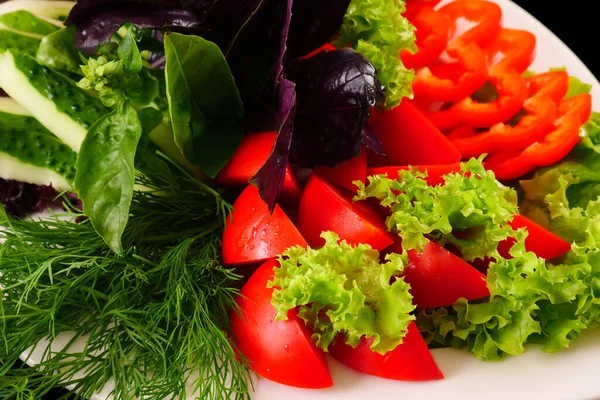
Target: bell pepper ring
point(486, 14)
point(414, 7)
point(515, 49)
point(475, 75)
point(580, 105)
point(553, 84)
point(432, 30)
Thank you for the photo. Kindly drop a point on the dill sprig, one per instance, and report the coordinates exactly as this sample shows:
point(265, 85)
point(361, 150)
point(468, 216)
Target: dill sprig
point(154, 319)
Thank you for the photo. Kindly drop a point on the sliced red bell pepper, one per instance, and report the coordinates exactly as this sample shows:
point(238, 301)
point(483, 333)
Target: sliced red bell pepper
point(553, 84)
point(409, 138)
point(512, 91)
point(486, 14)
point(507, 166)
point(517, 50)
point(580, 105)
point(431, 38)
point(540, 241)
point(461, 132)
point(325, 47)
point(435, 173)
point(347, 172)
point(445, 119)
point(500, 138)
point(414, 7)
point(475, 74)
point(410, 361)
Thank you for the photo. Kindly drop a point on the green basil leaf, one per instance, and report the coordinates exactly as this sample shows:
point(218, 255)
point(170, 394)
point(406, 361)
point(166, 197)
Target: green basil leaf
point(204, 102)
point(56, 51)
point(105, 172)
point(142, 89)
point(130, 54)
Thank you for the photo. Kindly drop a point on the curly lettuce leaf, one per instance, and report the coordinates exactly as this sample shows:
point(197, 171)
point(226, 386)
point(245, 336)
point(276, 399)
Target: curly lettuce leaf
point(471, 210)
point(377, 29)
point(531, 302)
point(344, 290)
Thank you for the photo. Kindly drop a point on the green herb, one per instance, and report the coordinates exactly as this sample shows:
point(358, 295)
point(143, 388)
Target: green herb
point(128, 52)
point(56, 51)
point(105, 172)
point(377, 29)
point(154, 317)
point(204, 102)
point(343, 289)
point(470, 211)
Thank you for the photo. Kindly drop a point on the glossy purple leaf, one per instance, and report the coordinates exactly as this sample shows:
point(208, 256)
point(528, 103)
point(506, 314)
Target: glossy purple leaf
point(314, 23)
point(20, 199)
point(269, 179)
point(371, 141)
point(335, 92)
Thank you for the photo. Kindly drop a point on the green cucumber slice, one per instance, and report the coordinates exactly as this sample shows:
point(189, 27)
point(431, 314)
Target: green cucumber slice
point(57, 103)
point(58, 10)
point(30, 153)
point(24, 21)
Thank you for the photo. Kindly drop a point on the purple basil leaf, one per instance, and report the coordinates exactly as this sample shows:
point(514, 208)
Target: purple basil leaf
point(314, 23)
point(269, 179)
point(20, 198)
point(371, 141)
point(335, 92)
point(219, 21)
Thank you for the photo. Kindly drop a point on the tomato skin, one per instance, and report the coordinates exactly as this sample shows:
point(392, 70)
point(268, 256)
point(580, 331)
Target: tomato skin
point(542, 242)
point(281, 351)
point(347, 172)
point(411, 361)
point(409, 138)
point(323, 207)
point(253, 234)
point(435, 173)
point(438, 278)
point(250, 156)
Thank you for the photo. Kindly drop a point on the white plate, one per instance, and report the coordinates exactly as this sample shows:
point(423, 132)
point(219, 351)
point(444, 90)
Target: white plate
point(572, 374)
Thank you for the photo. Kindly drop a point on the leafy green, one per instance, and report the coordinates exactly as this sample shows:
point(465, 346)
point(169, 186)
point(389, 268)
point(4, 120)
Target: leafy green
point(377, 29)
point(151, 317)
point(130, 54)
point(470, 211)
point(105, 172)
point(556, 197)
point(341, 289)
point(204, 103)
point(56, 51)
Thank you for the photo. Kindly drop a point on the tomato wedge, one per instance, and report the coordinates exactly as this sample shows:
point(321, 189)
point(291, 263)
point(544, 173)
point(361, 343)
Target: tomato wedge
point(435, 173)
point(409, 138)
point(281, 351)
point(323, 207)
point(347, 172)
point(542, 242)
point(411, 361)
point(438, 278)
point(249, 158)
point(252, 234)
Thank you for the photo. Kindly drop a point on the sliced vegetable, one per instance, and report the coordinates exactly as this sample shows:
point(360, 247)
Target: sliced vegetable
point(253, 234)
point(414, 7)
point(432, 30)
point(347, 172)
point(552, 84)
point(249, 158)
point(64, 109)
point(409, 138)
point(512, 50)
point(475, 73)
point(55, 9)
point(324, 207)
point(486, 14)
point(345, 290)
point(540, 241)
point(25, 21)
point(279, 350)
point(410, 361)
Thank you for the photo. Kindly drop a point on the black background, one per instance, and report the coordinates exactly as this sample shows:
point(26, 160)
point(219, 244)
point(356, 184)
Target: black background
point(574, 22)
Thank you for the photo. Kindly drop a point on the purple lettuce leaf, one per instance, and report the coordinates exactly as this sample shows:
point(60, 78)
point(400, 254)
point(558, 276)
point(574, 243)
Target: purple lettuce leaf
point(314, 23)
point(269, 179)
point(335, 92)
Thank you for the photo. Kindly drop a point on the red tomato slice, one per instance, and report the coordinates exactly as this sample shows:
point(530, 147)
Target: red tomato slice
point(409, 138)
point(438, 278)
point(411, 361)
point(435, 173)
point(253, 234)
point(277, 350)
point(542, 242)
point(323, 207)
point(347, 172)
point(249, 158)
